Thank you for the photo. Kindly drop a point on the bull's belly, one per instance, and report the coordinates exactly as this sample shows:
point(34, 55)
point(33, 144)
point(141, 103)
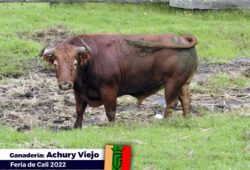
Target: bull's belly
point(141, 91)
point(95, 103)
point(90, 101)
point(133, 88)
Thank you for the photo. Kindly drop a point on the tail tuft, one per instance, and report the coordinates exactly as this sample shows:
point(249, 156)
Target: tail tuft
point(190, 39)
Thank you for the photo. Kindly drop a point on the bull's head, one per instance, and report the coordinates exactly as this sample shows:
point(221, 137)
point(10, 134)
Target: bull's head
point(66, 59)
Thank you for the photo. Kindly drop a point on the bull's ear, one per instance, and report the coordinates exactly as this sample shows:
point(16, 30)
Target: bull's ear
point(49, 58)
point(83, 58)
point(83, 55)
point(48, 55)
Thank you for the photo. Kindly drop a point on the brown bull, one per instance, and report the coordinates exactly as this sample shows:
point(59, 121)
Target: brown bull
point(102, 67)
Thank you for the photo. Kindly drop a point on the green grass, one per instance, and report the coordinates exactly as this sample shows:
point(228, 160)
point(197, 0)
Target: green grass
point(222, 34)
point(210, 142)
point(220, 82)
point(14, 54)
point(223, 80)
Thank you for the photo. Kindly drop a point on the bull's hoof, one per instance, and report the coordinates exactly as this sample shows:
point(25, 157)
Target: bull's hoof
point(111, 123)
point(77, 126)
point(186, 116)
point(139, 103)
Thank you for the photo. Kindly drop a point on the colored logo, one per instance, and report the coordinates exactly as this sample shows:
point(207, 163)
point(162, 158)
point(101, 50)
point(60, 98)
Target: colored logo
point(117, 157)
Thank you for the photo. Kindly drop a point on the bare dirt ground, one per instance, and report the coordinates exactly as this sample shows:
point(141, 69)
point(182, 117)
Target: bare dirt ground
point(35, 100)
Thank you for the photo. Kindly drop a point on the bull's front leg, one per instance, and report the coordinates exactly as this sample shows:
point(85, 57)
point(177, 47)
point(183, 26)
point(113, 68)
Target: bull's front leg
point(80, 109)
point(109, 96)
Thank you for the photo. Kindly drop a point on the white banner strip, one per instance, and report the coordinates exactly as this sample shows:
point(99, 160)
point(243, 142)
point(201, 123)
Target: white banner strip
point(51, 154)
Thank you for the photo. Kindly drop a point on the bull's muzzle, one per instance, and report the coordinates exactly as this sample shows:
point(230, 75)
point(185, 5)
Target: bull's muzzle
point(65, 85)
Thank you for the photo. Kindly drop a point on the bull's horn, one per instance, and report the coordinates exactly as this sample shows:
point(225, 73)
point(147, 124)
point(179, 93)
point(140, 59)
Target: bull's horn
point(48, 51)
point(87, 47)
point(41, 52)
point(81, 49)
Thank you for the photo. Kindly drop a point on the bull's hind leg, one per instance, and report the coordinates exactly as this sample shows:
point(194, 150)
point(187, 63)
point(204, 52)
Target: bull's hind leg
point(185, 99)
point(139, 102)
point(171, 95)
point(109, 96)
point(80, 109)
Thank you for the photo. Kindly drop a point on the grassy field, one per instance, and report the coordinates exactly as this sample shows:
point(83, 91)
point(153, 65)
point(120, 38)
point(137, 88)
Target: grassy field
point(208, 142)
point(213, 141)
point(222, 35)
point(219, 82)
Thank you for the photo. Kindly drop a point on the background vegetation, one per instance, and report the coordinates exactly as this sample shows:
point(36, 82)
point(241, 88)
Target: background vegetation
point(222, 34)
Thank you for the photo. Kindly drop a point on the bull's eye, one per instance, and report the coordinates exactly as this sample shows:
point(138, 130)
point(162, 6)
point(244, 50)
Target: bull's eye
point(75, 63)
point(55, 63)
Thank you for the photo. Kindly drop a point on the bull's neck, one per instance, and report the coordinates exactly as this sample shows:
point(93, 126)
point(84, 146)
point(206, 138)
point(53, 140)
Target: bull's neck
point(82, 77)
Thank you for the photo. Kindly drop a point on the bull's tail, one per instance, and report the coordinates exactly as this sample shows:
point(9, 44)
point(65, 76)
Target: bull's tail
point(191, 41)
point(176, 42)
